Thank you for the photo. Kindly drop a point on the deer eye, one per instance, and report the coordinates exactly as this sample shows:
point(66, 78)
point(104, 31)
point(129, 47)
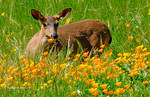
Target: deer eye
point(44, 24)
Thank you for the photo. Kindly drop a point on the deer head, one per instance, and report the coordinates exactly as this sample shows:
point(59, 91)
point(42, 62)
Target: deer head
point(50, 23)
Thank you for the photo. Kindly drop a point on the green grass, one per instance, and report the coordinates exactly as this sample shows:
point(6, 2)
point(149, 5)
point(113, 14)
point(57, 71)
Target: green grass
point(114, 13)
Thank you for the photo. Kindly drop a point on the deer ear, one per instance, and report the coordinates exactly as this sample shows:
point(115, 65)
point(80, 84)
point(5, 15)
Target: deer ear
point(63, 14)
point(37, 15)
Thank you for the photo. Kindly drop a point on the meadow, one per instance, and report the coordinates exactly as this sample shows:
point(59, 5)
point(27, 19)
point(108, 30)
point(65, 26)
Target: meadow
point(123, 70)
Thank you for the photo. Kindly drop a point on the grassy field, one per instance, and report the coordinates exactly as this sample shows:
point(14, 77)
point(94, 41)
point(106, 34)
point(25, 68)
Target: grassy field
point(123, 70)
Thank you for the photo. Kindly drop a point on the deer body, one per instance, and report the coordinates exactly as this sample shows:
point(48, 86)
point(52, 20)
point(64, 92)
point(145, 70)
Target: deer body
point(89, 33)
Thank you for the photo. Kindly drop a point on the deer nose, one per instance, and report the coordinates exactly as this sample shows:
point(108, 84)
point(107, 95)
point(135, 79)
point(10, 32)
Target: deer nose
point(54, 37)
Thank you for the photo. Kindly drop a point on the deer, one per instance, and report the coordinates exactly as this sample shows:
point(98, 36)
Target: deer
point(89, 33)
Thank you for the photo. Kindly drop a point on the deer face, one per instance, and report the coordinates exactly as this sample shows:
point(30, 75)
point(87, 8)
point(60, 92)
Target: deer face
point(50, 23)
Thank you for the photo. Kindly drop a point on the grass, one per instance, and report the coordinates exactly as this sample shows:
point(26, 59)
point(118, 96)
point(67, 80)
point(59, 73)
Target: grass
point(56, 74)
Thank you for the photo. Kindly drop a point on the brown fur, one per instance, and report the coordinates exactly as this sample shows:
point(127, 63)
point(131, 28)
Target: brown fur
point(89, 33)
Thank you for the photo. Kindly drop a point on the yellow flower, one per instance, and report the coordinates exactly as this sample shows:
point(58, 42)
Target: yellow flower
point(102, 46)
point(100, 50)
point(137, 40)
point(128, 25)
point(110, 92)
point(26, 79)
point(45, 84)
point(31, 28)
point(14, 50)
point(68, 58)
point(91, 90)
point(10, 78)
point(118, 84)
point(0, 80)
point(45, 53)
point(62, 66)
point(131, 37)
point(22, 56)
point(145, 82)
point(95, 85)
point(3, 14)
point(85, 54)
point(73, 93)
point(77, 55)
point(49, 81)
point(3, 85)
point(103, 86)
point(127, 86)
point(67, 21)
point(105, 91)
point(74, 60)
point(7, 39)
point(50, 40)
point(149, 13)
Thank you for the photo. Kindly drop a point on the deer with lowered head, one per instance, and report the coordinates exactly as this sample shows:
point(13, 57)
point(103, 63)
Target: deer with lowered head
point(89, 33)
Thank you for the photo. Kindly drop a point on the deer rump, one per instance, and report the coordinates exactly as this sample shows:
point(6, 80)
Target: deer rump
point(89, 33)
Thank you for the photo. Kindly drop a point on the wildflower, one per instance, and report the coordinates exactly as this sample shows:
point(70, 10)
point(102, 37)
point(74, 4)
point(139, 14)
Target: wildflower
point(22, 56)
point(67, 21)
point(95, 85)
point(118, 84)
point(0, 79)
point(73, 93)
point(110, 92)
point(11, 22)
point(139, 48)
point(87, 82)
point(41, 87)
point(131, 90)
point(91, 90)
point(7, 39)
point(105, 91)
point(100, 50)
point(131, 37)
point(24, 84)
point(3, 14)
point(149, 12)
point(143, 65)
point(137, 40)
point(62, 66)
point(3, 85)
point(49, 81)
point(103, 86)
point(74, 60)
point(31, 28)
point(95, 92)
point(68, 58)
point(14, 50)
point(10, 78)
point(77, 55)
point(50, 40)
point(45, 84)
point(127, 86)
point(128, 25)
point(145, 49)
point(85, 54)
point(45, 53)
point(145, 82)
point(29, 84)
point(26, 79)
point(78, 91)
point(102, 46)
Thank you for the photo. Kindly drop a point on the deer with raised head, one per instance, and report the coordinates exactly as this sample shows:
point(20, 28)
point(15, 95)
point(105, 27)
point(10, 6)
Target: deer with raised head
point(89, 33)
